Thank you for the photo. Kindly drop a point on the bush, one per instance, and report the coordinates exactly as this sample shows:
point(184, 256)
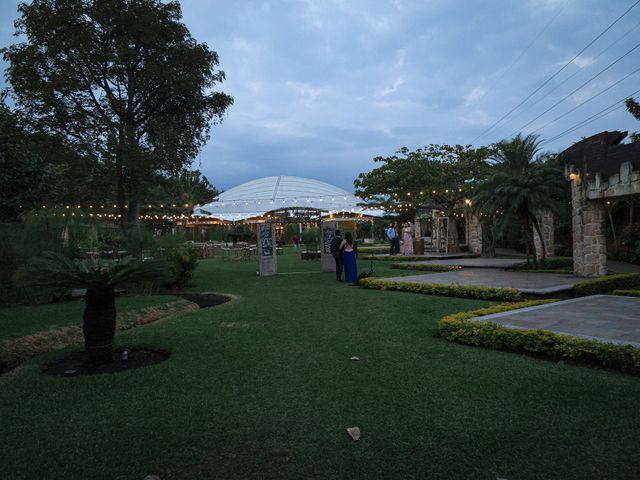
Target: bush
point(311, 239)
point(627, 293)
point(461, 329)
point(395, 258)
point(550, 264)
point(183, 260)
point(608, 283)
point(425, 267)
point(464, 291)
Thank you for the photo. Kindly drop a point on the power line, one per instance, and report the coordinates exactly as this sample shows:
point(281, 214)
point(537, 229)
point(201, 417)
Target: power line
point(579, 70)
point(556, 73)
point(527, 48)
point(596, 116)
point(586, 101)
point(576, 90)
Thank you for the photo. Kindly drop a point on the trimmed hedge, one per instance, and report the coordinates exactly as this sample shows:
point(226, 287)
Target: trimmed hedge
point(627, 293)
point(464, 291)
point(395, 258)
point(425, 267)
point(608, 283)
point(461, 329)
point(551, 264)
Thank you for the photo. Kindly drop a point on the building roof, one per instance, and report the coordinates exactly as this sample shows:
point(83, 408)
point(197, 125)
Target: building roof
point(263, 195)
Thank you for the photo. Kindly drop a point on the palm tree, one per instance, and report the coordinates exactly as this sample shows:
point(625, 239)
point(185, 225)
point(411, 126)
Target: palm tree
point(100, 278)
point(522, 182)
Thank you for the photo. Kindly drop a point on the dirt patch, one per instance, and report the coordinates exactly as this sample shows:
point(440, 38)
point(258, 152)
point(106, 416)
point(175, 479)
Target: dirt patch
point(123, 359)
point(15, 351)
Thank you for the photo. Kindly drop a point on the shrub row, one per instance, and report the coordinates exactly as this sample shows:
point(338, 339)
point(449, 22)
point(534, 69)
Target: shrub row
point(395, 258)
point(550, 264)
point(608, 283)
point(464, 291)
point(460, 328)
point(627, 293)
point(425, 267)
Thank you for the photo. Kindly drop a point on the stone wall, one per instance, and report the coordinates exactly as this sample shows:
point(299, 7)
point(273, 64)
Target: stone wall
point(589, 242)
point(545, 220)
point(474, 235)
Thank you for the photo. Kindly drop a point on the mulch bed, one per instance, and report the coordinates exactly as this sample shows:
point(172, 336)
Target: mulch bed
point(204, 300)
point(73, 364)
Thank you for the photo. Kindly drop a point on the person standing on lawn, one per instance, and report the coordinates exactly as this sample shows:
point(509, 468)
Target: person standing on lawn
point(349, 259)
point(336, 252)
point(407, 239)
point(392, 235)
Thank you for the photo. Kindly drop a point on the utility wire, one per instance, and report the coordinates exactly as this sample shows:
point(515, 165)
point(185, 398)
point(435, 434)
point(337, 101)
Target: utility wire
point(537, 37)
point(535, 102)
point(586, 101)
point(605, 111)
point(576, 90)
point(556, 73)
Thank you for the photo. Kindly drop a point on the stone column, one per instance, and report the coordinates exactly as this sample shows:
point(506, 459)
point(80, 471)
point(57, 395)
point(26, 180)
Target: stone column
point(589, 244)
point(474, 235)
point(327, 232)
point(545, 220)
point(268, 259)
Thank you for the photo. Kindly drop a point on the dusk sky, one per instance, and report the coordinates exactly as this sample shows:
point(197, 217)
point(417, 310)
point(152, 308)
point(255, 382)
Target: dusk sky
point(321, 87)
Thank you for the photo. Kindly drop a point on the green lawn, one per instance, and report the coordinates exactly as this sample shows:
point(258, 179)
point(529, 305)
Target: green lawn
point(262, 388)
point(28, 319)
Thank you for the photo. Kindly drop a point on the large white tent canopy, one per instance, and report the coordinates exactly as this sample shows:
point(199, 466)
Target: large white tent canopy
point(257, 198)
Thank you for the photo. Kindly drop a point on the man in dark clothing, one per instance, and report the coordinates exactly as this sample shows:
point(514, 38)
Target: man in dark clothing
point(337, 254)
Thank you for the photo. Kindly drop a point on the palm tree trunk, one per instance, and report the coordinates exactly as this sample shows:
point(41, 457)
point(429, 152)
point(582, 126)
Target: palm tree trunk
point(99, 324)
point(536, 225)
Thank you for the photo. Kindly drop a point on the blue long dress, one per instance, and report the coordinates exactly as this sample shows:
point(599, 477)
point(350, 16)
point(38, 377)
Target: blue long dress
point(350, 267)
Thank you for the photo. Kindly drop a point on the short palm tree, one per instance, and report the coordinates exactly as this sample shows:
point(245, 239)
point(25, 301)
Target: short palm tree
point(522, 182)
point(100, 278)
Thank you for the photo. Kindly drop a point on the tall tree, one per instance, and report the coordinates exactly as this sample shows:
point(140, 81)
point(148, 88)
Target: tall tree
point(523, 181)
point(121, 81)
point(437, 177)
point(633, 107)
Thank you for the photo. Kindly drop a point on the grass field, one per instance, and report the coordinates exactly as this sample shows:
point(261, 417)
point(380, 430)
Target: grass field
point(263, 388)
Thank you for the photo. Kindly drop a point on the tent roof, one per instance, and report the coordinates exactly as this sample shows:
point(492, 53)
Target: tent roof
point(260, 196)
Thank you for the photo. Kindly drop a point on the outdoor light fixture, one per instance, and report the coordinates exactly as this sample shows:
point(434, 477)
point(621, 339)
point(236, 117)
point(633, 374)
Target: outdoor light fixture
point(574, 175)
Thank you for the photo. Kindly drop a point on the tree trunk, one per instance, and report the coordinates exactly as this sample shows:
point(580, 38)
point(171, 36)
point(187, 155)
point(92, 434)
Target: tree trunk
point(536, 226)
point(488, 241)
point(99, 324)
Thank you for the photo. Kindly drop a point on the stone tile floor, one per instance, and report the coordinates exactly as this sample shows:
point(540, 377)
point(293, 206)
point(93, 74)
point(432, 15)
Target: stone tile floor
point(606, 318)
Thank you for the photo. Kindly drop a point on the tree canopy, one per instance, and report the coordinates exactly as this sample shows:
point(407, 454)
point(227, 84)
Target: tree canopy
point(121, 82)
point(436, 176)
point(523, 181)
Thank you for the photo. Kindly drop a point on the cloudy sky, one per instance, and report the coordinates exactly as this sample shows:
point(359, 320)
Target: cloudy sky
point(321, 87)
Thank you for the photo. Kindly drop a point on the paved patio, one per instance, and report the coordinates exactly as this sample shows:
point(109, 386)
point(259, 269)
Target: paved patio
point(530, 283)
point(469, 262)
point(606, 318)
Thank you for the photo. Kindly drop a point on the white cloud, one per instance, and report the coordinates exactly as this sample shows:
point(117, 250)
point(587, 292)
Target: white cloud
point(389, 90)
point(475, 94)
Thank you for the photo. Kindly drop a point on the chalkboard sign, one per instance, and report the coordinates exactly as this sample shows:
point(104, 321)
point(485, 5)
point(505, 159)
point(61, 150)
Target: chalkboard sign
point(328, 232)
point(266, 240)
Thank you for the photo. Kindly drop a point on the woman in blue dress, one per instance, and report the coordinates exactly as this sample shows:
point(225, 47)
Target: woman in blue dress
point(349, 259)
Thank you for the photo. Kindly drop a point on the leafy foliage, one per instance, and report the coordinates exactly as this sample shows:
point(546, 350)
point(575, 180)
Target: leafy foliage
point(119, 81)
point(633, 107)
point(522, 183)
point(608, 283)
point(464, 291)
point(460, 328)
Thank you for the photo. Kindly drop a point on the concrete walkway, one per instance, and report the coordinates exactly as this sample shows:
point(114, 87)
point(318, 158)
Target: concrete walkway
point(530, 283)
point(606, 318)
point(470, 262)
